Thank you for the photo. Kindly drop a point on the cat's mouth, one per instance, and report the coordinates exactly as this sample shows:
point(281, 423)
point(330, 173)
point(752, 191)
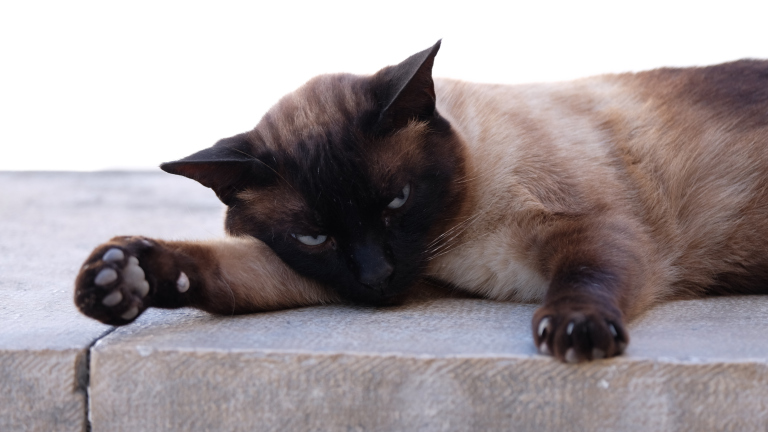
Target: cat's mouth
point(375, 296)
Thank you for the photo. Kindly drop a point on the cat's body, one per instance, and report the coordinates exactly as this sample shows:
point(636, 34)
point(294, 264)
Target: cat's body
point(598, 197)
point(685, 175)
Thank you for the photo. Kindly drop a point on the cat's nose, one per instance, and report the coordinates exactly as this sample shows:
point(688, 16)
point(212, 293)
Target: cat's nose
point(373, 265)
point(376, 276)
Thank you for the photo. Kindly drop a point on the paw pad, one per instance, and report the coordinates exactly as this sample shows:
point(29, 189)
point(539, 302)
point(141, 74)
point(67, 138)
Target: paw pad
point(112, 298)
point(133, 278)
point(114, 287)
point(105, 277)
point(113, 255)
point(130, 313)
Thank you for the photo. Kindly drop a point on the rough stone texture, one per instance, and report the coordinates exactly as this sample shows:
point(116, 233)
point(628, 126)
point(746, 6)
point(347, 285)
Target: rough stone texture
point(442, 364)
point(446, 364)
point(49, 222)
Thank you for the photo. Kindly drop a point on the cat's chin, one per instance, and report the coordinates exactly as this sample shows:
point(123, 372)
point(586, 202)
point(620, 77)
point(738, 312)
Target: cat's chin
point(365, 296)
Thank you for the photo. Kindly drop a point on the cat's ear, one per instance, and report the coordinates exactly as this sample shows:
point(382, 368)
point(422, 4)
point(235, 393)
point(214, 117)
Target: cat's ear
point(406, 91)
point(227, 167)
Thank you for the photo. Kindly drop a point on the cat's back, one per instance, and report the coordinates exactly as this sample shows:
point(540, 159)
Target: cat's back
point(668, 131)
point(733, 94)
point(683, 151)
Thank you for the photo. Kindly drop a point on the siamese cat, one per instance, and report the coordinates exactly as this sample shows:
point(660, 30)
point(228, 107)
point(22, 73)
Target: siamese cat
point(598, 198)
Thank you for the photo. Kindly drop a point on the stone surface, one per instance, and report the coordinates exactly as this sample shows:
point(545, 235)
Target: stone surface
point(49, 222)
point(445, 364)
point(438, 364)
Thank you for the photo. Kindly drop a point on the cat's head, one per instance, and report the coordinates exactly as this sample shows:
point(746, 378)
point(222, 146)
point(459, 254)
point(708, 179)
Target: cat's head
point(349, 179)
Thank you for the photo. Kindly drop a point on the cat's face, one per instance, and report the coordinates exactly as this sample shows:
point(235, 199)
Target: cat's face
point(348, 179)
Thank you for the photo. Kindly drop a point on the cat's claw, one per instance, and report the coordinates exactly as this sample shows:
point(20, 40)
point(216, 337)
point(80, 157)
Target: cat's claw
point(544, 349)
point(570, 356)
point(597, 354)
point(112, 286)
point(575, 336)
point(544, 326)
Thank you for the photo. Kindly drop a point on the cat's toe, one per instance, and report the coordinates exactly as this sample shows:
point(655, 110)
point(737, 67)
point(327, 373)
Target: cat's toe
point(113, 255)
point(112, 299)
point(105, 277)
point(112, 286)
point(578, 336)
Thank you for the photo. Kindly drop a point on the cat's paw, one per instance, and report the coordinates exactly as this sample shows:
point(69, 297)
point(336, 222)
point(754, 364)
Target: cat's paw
point(575, 335)
point(114, 286)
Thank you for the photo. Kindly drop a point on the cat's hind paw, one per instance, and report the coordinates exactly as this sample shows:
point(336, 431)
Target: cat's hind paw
point(578, 335)
point(112, 286)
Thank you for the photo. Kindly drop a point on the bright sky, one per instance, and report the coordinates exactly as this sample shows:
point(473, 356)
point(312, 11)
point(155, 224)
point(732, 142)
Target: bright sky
point(91, 85)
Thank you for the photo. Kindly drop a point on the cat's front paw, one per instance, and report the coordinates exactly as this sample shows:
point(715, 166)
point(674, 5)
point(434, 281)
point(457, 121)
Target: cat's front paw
point(113, 286)
point(577, 334)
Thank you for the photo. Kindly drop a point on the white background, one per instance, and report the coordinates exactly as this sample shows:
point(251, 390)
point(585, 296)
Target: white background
point(92, 85)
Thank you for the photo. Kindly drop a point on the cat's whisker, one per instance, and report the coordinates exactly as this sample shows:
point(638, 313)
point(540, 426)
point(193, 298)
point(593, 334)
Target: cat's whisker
point(466, 179)
point(440, 241)
point(455, 246)
point(447, 245)
point(452, 229)
point(464, 223)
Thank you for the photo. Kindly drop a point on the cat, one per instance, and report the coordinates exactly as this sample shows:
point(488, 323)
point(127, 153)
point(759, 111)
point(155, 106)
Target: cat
point(598, 198)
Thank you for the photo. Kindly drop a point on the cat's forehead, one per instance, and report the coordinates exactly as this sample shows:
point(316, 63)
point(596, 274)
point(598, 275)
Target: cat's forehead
point(326, 153)
point(327, 105)
point(328, 125)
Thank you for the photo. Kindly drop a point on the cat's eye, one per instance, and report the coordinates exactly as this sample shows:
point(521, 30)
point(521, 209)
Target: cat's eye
point(310, 240)
point(401, 198)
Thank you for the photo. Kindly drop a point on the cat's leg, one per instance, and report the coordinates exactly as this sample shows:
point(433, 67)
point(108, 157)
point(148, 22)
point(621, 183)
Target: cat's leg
point(599, 278)
point(127, 275)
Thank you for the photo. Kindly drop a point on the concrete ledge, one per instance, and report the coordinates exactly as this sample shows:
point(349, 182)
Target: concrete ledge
point(448, 364)
point(439, 364)
point(49, 222)
point(39, 391)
